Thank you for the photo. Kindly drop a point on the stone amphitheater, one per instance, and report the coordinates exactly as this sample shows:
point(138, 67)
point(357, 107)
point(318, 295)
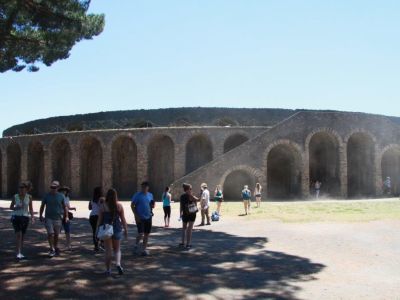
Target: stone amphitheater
point(350, 153)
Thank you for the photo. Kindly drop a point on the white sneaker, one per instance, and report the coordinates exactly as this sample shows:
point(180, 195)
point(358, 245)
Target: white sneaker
point(20, 256)
point(145, 253)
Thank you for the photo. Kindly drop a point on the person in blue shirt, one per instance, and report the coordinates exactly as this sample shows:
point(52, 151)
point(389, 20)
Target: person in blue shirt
point(142, 207)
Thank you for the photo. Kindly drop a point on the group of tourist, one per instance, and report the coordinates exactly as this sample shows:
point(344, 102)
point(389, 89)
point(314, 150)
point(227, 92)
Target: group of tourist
point(107, 213)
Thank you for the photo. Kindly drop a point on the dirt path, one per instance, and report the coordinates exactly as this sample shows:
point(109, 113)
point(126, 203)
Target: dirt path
point(232, 259)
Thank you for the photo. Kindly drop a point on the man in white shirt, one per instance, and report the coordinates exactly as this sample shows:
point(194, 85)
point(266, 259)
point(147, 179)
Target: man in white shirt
point(205, 204)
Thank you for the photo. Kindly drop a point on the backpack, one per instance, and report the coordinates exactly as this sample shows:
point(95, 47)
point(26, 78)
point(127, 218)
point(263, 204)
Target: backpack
point(246, 195)
point(215, 216)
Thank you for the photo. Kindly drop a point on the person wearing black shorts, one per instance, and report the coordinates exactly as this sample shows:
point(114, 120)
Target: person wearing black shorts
point(188, 202)
point(142, 205)
point(22, 208)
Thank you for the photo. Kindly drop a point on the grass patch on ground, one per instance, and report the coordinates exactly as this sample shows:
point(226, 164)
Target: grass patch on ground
point(319, 211)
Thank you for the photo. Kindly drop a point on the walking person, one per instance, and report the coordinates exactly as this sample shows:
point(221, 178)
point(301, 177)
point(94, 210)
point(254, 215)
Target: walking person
point(257, 194)
point(142, 205)
point(246, 196)
point(387, 186)
point(21, 205)
point(188, 211)
point(205, 204)
point(55, 213)
point(112, 212)
point(218, 197)
point(166, 198)
point(317, 187)
point(94, 207)
point(67, 225)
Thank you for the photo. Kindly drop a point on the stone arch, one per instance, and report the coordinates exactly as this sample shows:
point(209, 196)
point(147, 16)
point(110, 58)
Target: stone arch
point(36, 168)
point(361, 164)
point(13, 168)
point(199, 151)
point(323, 148)
point(161, 163)
point(61, 161)
point(284, 170)
point(91, 159)
point(234, 140)
point(236, 177)
point(124, 165)
point(1, 172)
point(390, 164)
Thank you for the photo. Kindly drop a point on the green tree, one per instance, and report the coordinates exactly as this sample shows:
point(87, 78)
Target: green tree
point(43, 31)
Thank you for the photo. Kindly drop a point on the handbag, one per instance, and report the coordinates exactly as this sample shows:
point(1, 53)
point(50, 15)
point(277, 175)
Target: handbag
point(105, 232)
point(192, 208)
point(70, 215)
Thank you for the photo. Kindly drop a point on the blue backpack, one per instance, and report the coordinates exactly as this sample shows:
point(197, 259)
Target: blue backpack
point(215, 216)
point(246, 195)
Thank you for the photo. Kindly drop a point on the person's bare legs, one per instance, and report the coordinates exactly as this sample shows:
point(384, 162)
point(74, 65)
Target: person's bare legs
point(50, 238)
point(219, 207)
point(245, 206)
point(258, 199)
point(184, 229)
point(108, 245)
point(116, 245)
point(56, 235)
point(189, 233)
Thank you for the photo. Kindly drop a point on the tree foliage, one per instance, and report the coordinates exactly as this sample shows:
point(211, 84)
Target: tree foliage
point(43, 31)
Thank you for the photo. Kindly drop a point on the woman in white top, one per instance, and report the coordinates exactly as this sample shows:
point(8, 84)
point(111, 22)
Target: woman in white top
point(94, 207)
point(257, 194)
point(22, 208)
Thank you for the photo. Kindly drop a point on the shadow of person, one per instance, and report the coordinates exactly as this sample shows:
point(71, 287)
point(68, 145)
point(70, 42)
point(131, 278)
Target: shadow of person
point(219, 264)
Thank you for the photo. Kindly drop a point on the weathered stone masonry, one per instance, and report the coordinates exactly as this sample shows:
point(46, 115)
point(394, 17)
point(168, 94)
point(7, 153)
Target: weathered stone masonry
point(350, 153)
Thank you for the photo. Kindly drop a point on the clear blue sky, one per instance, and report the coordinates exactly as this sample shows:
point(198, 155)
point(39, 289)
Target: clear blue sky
point(342, 55)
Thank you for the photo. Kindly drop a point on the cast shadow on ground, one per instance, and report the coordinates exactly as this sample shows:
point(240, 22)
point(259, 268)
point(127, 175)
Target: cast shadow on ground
point(220, 264)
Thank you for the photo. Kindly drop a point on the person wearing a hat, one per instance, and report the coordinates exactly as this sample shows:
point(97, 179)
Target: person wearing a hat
point(55, 212)
point(22, 208)
point(67, 225)
point(205, 204)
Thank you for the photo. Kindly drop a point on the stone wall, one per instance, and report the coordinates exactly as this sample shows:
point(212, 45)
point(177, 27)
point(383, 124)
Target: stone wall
point(119, 158)
point(349, 152)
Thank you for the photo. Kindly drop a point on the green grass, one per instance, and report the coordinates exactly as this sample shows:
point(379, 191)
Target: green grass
point(328, 211)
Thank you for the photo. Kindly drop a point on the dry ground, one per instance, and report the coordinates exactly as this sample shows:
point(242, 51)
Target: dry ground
point(300, 250)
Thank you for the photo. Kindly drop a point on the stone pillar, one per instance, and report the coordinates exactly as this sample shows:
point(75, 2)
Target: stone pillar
point(75, 171)
point(343, 171)
point(107, 167)
point(142, 165)
point(24, 164)
point(4, 177)
point(378, 173)
point(305, 176)
point(48, 170)
point(218, 148)
point(180, 161)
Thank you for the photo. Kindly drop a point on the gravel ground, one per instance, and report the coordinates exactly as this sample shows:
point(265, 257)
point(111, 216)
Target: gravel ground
point(236, 258)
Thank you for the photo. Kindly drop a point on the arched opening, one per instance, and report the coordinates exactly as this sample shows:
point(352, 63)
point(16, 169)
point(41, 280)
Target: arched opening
point(233, 141)
point(235, 182)
point(91, 165)
point(36, 168)
point(324, 162)
point(161, 163)
point(13, 168)
point(61, 161)
point(391, 168)
point(199, 151)
point(360, 165)
point(1, 174)
point(283, 173)
point(124, 161)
